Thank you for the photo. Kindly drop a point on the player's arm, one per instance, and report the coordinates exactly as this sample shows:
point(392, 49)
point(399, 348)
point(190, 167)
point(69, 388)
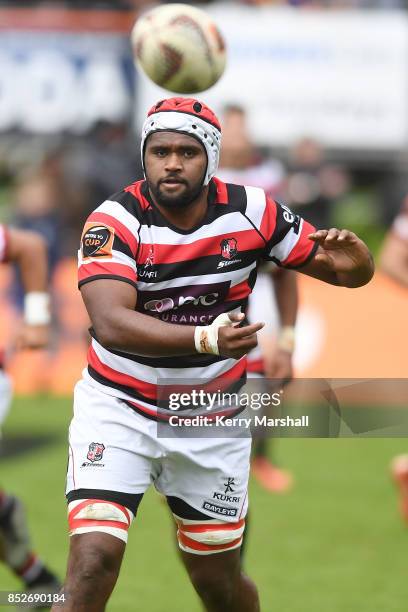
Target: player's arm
point(28, 250)
point(341, 259)
point(111, 308)
point(278, 362)
point(394, 258)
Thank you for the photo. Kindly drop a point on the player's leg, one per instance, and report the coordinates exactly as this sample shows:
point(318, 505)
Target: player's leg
point(221, 583)
point(15, 545)
point(108, 472)
point(5, 391)
point(205, 481)
point(210, 550)
point(399, 471)
point(98, 529)
point(16, 550)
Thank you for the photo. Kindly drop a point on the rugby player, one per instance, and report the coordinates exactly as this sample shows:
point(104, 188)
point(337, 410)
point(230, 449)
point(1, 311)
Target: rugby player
point(28, 251)
point(165, 269)
point(394, 263)
point(274, 298)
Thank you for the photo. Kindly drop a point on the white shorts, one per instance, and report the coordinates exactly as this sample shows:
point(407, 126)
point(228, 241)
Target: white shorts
point(112, 448)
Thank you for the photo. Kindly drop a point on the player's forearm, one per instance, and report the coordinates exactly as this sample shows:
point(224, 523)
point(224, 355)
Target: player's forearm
point(133, 332)
point(31, 258)
point(398, 273)
point(286, 296)
point(359, 276)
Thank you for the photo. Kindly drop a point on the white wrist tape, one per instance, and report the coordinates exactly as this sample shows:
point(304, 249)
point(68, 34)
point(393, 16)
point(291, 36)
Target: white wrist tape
point(286, 339)
point(206, 336)
point(37, 308)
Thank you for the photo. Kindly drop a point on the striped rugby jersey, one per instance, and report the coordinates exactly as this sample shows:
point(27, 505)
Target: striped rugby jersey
point(186, 277)
point(3, 243)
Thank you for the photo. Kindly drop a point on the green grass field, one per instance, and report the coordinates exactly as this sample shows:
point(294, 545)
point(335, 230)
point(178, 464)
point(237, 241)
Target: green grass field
point(335, 544)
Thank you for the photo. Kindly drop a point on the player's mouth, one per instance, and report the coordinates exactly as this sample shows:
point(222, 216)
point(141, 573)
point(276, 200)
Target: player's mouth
point(172, 184)
point(172, 181)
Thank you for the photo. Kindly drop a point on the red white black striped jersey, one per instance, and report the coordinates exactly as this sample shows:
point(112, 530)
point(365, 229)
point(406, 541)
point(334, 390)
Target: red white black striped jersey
point(187, 277)
point(3, 243)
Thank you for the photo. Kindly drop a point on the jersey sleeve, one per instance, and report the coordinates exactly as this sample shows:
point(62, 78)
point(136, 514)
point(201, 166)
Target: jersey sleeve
point(286, 236)
point(3, 243)
point(109, 245)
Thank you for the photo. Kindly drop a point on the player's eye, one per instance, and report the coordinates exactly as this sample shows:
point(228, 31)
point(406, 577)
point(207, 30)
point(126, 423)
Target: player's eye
point(188, 153)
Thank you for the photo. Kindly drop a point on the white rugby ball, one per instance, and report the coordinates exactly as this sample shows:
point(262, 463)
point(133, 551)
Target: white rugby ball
point(179, 47)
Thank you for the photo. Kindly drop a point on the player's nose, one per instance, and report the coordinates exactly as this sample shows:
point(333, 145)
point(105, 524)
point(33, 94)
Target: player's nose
point(173, 162)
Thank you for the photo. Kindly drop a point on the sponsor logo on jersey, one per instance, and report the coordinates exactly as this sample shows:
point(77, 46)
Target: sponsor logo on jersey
point(150, 258)
point(228, 485)
point(291, 218)
point(217, 509)
point(97, 240)
point(169, 304)
point(95, 452)
point(233, 499)
point(191, 300)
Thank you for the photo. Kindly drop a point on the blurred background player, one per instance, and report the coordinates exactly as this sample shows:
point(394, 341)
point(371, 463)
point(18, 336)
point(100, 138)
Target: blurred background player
point(28, 251)
point(273, 300)
point(394, 263)
point(274, 297)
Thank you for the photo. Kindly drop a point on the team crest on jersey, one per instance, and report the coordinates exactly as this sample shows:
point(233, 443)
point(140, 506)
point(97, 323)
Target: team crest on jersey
point(229, 248)
point(95, 452)
point(97, 240)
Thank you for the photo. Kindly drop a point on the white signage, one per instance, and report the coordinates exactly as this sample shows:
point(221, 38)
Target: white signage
point(338, 76)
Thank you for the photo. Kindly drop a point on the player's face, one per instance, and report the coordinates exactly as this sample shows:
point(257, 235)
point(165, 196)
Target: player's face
point(175, 166)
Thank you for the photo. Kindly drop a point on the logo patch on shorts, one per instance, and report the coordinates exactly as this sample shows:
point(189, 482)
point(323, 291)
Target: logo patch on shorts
point(97, 240)
point(95, 452)
point(216, 509)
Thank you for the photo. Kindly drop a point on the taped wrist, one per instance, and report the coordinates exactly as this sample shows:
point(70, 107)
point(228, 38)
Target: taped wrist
point(206, 336)
point(286, 339)
point(37, 308)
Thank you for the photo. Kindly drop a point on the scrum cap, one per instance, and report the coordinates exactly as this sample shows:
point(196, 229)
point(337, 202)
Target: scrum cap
point(188, 116)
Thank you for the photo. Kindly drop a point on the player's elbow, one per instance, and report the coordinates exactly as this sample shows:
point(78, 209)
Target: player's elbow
point(106, 332)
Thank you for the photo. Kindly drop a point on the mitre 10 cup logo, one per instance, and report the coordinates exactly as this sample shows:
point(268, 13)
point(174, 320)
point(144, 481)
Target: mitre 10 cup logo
point(97, 240)
point(229, 248)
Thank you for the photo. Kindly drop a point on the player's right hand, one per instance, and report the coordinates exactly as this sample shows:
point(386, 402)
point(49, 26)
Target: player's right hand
point(235, 341)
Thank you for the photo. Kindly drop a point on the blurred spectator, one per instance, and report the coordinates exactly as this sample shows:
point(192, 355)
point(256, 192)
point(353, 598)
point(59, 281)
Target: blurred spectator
point(394, 253)
point(93, 168)
point(240, 161)
point(312, 184)
point(36, 203)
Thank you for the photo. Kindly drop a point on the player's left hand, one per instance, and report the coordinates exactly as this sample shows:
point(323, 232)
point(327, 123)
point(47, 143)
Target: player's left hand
point(279, 366)
point(342, 255)
point(33, 337)
point(341, 250)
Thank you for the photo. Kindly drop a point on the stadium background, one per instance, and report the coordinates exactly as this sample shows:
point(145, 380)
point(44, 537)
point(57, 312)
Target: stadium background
point(70, 105)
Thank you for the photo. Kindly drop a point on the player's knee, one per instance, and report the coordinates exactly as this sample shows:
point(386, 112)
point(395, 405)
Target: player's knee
point(94, 515)
point(214, 587)
point(209, 537)
point(94, 564)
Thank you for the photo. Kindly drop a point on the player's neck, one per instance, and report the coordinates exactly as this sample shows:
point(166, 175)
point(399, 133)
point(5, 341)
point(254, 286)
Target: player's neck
point(188, 217)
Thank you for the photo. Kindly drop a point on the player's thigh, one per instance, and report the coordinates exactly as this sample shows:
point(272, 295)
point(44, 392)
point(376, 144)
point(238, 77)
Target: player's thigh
point(209, 474)
point(206, 482)
point(108, 447)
